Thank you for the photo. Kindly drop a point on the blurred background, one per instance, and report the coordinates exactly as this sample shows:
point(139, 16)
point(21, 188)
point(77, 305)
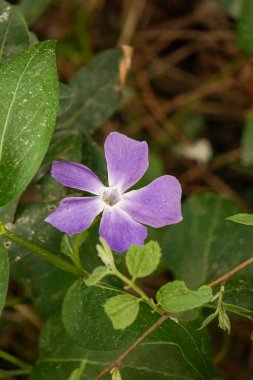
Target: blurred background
point(189, 93)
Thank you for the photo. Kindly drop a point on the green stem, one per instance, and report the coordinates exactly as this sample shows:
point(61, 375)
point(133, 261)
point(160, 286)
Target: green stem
point(137, 290)
point(57, 261)
point(76, 254)
point(12, 359)
point(15, 372)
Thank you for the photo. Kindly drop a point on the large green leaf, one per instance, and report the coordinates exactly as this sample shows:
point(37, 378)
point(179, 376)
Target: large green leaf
point(28, 108)
point(43, 281)
point(157, 359)
point(14, 35)
point(97, 92)
point(86, 322)
point(205, 245)
point(4, 275)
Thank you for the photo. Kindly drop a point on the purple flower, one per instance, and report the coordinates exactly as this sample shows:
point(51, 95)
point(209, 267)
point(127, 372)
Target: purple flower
point(156, 205)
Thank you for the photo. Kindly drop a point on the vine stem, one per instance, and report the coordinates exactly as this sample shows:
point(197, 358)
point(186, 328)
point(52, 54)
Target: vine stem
point(117, 363)
point(231, 273)
point(57, 261)
point(119, 360)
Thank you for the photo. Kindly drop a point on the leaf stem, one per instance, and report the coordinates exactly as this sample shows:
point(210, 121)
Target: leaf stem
point(119, 360)
point(137, 290)
point(57, 261)
point(12, 359)
point(225, 277)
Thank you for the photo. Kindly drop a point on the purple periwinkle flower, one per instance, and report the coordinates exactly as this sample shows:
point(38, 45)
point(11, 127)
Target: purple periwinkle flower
point(124, 213)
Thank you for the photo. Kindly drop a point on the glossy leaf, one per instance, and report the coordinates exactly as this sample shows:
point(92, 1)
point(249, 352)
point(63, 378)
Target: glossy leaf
point(29, 91)
point(88, 325)
point(4, 275)
point(44, 282)
point(122, 310)
point(246, 219)
point(162, 357)
point(14, 35)
point(97, 92)
point(204, 245)
point(175, 297)
point(142, 261)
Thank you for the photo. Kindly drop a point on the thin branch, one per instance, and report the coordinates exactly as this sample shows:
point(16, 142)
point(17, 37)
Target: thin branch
point(119, 360)
point(231, 273)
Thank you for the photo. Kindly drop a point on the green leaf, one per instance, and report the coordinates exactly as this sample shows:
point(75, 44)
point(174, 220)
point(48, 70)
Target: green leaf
point(247, 141)
point(33, 9)
point(66, 98)
point(142, 261)
point(45, 283)
point(175, 297)
point(70, 243)
point(122, 310)
point(78, 372)
point(97, 92)
point(87, 324)
point(14, 35)
point(244, 32)
point(166, 356)
point(97, 275)
point(204, 245)
point(8, 211)
point(29, 88)
point(4, 275)
point(239, 294)
point(242, 219)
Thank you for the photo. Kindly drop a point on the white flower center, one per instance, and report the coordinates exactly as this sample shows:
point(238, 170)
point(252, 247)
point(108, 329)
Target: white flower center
point(111, 196)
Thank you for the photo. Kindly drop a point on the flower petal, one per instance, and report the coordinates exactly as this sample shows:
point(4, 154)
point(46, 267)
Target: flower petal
point(157, 204)
point(127, 160)
point(74, 215)
point(76, 176)
point(119, 230)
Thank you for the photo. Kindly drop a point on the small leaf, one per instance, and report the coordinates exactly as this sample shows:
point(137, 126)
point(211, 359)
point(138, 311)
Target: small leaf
point(115, 372)
point(208, 320)
point(175, 296)
point(238, 310)
point(70, 243)
point(142, 261)
point(224, 322)
point(97, 275)
point(246, 219)
point(105, 253)
point(78, 372)
point(122, 310)
point(4, 275)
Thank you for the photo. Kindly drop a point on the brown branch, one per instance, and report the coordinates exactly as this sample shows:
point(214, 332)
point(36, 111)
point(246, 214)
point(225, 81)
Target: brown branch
point(231, 273)
point(119, 360)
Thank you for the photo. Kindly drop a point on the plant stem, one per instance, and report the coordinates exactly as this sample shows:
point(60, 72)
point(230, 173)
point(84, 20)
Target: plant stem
point(14, 372)
point(137, 290)
point(12, 359)
point(119, 360)
point(57, 261)
point(231, 273)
